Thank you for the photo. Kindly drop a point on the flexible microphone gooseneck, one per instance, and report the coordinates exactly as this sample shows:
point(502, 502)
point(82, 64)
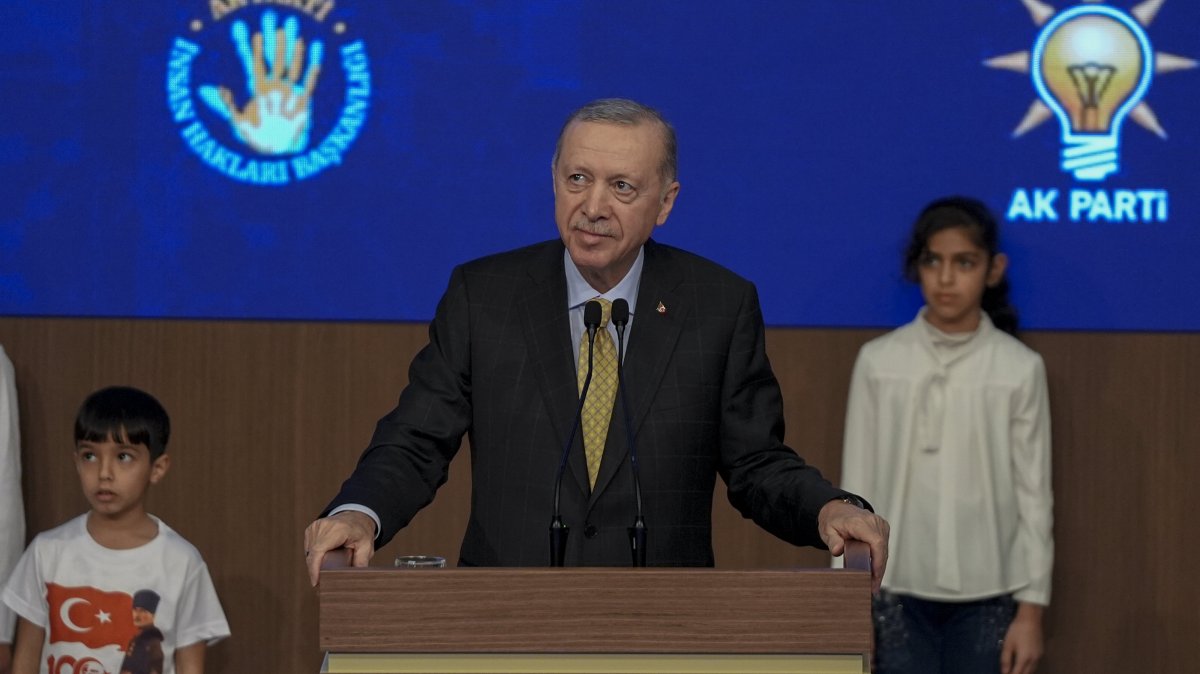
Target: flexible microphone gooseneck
point(637, 532)
point(592, 315)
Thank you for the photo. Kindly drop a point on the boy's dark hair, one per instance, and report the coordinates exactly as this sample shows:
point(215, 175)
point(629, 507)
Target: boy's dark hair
point(124, 414)
point(973, 216)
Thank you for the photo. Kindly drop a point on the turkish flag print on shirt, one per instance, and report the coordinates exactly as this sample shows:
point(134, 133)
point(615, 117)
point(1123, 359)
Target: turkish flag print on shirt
point(89, 616)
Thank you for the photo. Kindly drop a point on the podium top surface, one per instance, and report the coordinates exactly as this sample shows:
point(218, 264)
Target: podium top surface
point(595, 610)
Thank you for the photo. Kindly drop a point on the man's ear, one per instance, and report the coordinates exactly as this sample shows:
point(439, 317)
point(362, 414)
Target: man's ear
point(998, 267)
point(668, 202)
point(159, 468)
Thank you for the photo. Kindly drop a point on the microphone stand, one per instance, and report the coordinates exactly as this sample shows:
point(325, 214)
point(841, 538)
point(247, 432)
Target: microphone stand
point(637, 532)
point(592, 314)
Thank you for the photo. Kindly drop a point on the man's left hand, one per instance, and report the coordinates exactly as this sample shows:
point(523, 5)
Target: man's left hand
point(839, 521)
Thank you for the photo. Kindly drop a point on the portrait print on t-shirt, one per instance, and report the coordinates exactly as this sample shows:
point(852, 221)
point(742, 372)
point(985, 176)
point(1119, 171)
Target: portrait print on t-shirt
point(93, 631)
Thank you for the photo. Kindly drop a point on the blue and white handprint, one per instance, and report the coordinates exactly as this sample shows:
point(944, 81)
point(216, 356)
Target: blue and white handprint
point(278, 115)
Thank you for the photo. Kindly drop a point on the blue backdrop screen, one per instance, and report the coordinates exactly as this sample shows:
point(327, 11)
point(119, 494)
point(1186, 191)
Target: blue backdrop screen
point(312, 159)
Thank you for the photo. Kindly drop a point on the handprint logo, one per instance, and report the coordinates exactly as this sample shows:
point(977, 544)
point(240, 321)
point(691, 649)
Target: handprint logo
point(277, 118)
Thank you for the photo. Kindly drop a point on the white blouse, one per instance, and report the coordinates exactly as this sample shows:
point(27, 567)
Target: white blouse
point(948, 437)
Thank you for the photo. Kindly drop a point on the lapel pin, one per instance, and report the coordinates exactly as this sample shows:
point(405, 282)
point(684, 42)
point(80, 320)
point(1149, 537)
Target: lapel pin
point(662, 308)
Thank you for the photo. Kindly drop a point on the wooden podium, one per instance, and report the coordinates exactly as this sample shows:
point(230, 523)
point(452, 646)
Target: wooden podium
point(597, 620)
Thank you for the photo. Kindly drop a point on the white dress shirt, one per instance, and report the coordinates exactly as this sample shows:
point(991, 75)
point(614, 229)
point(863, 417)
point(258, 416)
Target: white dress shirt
point(948, 436)
point(579, 293)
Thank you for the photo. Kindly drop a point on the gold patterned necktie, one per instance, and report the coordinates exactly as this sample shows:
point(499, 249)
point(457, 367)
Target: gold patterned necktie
point(597, 409)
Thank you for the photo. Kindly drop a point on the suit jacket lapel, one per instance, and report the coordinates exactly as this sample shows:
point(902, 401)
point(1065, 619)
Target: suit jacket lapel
point(544, 310)
point(652, 340)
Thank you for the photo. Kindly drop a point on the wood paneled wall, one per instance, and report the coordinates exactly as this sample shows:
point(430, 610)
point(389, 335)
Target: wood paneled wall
point(269, 417)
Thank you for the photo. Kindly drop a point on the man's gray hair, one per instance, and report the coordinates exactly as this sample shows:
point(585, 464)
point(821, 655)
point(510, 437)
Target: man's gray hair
point(627, 112)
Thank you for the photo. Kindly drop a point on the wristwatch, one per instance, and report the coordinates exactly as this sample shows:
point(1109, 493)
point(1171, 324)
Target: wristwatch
point(854, 501)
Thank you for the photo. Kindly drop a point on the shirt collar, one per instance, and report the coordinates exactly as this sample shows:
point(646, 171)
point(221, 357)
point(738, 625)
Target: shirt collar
point(950, 347)
point(579, 292)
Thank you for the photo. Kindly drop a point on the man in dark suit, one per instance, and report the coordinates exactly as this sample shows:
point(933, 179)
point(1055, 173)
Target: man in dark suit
point(501, 367)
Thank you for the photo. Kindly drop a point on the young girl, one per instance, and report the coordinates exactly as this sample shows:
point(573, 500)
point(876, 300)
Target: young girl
point(948, 435)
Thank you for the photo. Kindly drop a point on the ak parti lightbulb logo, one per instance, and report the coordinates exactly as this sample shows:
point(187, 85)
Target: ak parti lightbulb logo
point(1091, 66)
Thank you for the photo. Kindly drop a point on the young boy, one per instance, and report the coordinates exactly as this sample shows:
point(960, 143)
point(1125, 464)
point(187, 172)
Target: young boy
point(100, 588)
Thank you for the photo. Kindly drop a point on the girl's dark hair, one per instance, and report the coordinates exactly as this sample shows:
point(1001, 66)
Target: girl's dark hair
point(974, 217)
point(124, 414)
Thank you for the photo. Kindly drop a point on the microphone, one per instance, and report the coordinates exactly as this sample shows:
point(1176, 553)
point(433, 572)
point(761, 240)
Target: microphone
point(637, 532)
point(592, 315)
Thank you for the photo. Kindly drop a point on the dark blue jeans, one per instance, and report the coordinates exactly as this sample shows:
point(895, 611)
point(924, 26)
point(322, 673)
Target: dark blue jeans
point(918, 636)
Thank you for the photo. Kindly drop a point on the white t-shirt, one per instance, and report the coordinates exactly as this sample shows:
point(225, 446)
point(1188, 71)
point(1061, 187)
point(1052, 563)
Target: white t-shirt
point(82, 594)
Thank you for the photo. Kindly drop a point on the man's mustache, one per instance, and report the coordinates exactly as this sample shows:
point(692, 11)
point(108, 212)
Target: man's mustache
point(597, 228)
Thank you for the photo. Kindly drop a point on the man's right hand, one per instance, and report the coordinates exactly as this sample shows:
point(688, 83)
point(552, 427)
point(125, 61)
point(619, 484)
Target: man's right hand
point(348, 529)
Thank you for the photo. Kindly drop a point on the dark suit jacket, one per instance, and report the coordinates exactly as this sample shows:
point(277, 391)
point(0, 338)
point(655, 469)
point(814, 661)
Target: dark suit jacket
point(499, 367)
